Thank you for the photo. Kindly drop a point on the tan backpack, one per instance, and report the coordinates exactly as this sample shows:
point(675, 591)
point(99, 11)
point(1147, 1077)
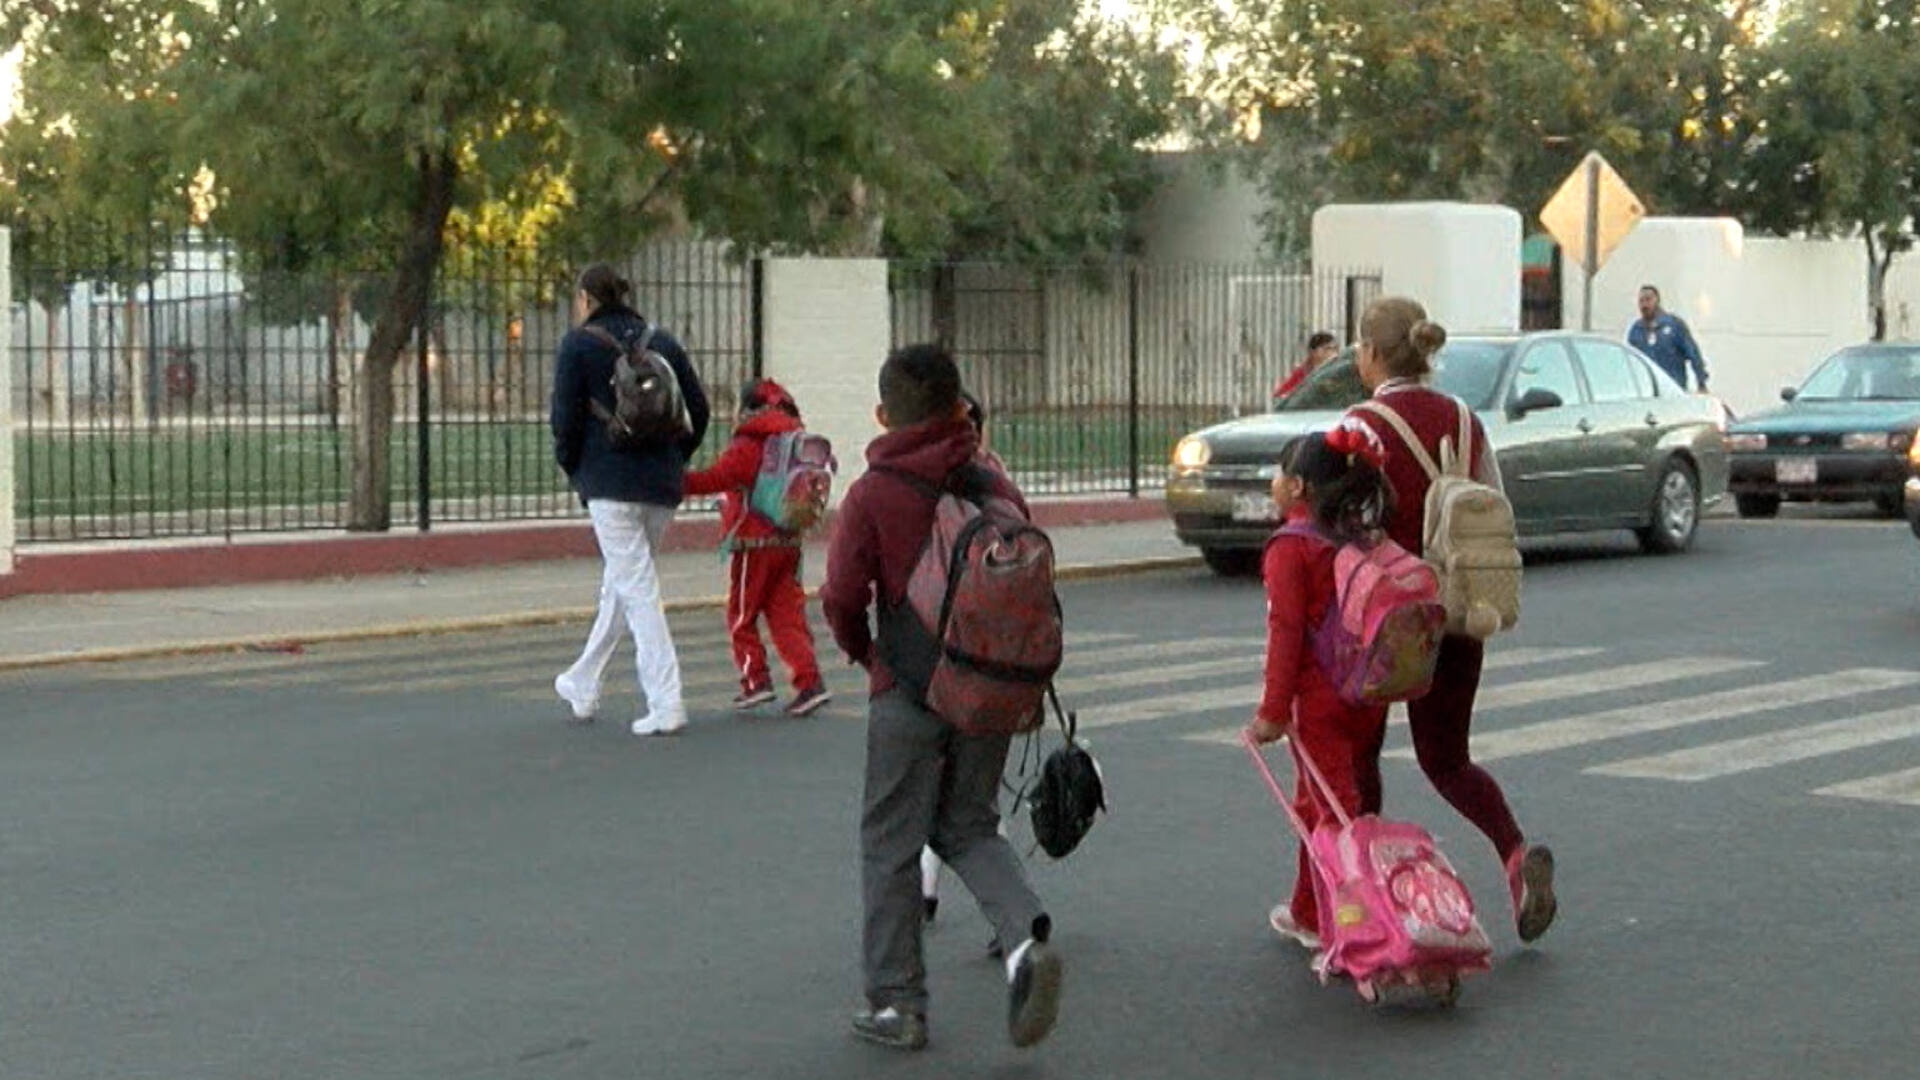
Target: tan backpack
point(1469, 535)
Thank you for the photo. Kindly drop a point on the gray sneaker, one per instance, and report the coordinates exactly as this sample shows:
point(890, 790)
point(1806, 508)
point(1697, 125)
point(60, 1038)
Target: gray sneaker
point(891, 1027)
point(1033, 992)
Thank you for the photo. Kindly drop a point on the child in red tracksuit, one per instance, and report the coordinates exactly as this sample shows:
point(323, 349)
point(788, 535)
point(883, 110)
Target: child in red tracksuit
point(764, 576)
point(1334, 483)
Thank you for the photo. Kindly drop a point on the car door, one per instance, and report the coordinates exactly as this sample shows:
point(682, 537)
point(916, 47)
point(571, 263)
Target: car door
point(1541, 450)
point(1625, 429)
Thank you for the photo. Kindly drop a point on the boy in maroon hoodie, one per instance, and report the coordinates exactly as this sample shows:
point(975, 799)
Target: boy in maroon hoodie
point(764, 576)
point(926, 783)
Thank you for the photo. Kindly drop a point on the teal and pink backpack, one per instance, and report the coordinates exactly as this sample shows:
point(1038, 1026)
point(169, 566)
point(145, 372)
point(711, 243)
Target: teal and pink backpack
point(1381, 635)
point(795, 480)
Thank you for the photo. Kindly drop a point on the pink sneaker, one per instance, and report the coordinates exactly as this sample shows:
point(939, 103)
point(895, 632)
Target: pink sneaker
point(1530, 879)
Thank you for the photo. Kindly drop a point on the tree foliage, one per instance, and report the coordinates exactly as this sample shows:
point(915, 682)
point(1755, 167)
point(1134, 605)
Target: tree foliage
point(393, 137)
point(1483, 100)
point(1838, 117)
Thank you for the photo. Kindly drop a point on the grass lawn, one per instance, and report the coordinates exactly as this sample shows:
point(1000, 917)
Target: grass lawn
point(105, 483)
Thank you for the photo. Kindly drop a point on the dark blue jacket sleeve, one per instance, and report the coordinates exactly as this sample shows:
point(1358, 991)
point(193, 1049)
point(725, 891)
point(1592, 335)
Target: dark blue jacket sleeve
point(1691, 350)
point(570, 413)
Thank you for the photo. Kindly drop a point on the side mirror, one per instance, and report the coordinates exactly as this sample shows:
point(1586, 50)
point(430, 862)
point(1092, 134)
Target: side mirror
point(1788, 393)
point(1535, 400)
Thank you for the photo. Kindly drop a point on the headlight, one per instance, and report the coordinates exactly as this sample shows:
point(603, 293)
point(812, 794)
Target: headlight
point(1746, 442)
point(1913, 450)
point(1192, 453)
point(1871, 440)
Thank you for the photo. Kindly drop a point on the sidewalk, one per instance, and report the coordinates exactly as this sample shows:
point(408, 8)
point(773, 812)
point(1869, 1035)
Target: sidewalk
point(37, 630)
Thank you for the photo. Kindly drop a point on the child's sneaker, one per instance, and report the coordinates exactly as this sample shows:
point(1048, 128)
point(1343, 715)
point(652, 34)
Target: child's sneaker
point(1281, 919)
point(1530, 879)
point(806, 701)
point(1033, 987)
point(891, 1027)
point(753, 697)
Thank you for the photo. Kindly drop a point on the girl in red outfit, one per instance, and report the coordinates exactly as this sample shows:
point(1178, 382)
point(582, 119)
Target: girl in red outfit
point(764, 576)
point(1397, 343)
point(1334, 483)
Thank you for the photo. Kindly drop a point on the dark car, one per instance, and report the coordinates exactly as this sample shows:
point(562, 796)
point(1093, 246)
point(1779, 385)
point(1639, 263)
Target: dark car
point(1844, 435)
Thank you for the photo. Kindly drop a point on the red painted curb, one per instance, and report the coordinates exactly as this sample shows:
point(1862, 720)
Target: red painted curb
point(174, 565)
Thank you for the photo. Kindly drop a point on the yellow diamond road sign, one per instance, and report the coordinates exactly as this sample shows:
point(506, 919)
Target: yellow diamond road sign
point(1617, 211)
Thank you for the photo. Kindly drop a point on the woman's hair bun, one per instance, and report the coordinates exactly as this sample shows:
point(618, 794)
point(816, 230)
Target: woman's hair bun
point(1426, 337)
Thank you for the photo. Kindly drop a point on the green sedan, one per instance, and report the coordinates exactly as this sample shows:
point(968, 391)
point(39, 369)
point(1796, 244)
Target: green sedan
point(1842, 436)
point(1590, 436)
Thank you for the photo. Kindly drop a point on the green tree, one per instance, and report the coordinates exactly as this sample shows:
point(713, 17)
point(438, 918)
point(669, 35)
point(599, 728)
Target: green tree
point(369, 133)
point(1483, 100)
point(1838, 146)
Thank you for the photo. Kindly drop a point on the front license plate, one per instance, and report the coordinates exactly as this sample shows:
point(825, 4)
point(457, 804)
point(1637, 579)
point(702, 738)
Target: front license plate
point(1796, 470)
point(1249, 507)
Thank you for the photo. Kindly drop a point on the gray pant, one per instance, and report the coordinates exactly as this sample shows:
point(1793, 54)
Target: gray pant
point(929, 785)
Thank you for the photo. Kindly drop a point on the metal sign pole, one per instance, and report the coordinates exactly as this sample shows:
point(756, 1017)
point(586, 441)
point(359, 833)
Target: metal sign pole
point(1592, 259)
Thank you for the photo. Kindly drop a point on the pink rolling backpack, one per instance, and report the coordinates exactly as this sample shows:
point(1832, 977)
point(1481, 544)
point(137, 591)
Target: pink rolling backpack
point(1392, 911)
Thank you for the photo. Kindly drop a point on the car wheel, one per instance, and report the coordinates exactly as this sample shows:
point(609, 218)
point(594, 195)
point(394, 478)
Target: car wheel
point(1232, 562)
point(1890, 506)
point(1676, 510)
point(1757, 506)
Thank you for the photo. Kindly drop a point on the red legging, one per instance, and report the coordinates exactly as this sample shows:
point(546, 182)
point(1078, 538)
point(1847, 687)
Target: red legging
point(765, 583)
point(1440, 723)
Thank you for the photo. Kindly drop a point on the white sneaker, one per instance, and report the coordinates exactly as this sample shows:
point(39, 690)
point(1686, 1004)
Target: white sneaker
point(655, 723)
point(1281, 919)
point(584, 706)
point(1033, 987)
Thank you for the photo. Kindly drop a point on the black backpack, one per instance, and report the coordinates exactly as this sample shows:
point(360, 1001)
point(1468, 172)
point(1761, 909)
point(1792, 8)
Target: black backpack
point(1069, 792)
point(648, 407)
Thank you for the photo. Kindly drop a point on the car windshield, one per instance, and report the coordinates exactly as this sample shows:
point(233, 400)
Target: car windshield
point(1469, 370)
point(1866, 375)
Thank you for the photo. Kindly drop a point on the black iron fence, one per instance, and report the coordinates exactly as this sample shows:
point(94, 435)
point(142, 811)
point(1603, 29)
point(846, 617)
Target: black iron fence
point(164, 387)
point(1090, 375)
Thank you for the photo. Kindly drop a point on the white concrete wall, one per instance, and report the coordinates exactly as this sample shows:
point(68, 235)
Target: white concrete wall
point(1903, 295)
point(1764, 310)
point(1461, 260)
point(6, 409)
point(827, 330)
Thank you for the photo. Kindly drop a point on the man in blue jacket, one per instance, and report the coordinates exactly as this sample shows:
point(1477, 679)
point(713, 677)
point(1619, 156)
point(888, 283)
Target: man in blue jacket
point(1664, 337)
point(631, 494)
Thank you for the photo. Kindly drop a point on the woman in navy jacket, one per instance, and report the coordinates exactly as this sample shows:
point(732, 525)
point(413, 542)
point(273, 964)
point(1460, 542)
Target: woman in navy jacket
point(631, 495)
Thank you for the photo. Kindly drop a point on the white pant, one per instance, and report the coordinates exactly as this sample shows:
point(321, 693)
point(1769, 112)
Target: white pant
point(629, 534)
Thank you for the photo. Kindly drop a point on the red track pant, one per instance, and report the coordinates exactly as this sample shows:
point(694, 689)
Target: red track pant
point(1345, 744)
point(765, 582)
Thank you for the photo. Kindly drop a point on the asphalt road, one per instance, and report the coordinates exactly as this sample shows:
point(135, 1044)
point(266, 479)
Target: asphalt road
point(397, 861)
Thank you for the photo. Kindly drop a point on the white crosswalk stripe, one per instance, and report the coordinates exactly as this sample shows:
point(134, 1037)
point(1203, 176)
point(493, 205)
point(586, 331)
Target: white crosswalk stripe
point(1668, 715)
point(1901, 787)
point(1248, 697)
point(1774, 748)
point(1605, 680)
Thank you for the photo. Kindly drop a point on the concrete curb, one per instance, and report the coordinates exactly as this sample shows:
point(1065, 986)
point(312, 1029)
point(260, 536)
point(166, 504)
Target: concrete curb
point(433, 627)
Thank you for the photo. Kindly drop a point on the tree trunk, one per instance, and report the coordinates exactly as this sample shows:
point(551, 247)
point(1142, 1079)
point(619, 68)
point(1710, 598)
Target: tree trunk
point(368, 509)
point(1877, 263)
point(946, 307)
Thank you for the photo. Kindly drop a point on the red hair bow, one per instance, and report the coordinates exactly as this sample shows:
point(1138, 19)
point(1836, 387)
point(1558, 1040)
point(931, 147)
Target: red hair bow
point(1353, 440)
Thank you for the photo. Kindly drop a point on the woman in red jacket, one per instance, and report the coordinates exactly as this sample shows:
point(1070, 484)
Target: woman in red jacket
point(1334, 483)
point(764, 576)
point(1397, 343)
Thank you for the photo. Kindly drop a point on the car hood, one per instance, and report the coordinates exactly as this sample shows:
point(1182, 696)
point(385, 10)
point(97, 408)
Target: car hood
point(1814, 417)
point(1256, 439)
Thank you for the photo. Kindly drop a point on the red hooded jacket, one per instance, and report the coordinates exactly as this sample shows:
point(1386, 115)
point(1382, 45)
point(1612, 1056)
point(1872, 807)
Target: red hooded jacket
point(731, 477)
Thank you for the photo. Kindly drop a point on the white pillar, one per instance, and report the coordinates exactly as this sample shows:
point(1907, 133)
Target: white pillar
point(827, 327)
point(6, 405)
